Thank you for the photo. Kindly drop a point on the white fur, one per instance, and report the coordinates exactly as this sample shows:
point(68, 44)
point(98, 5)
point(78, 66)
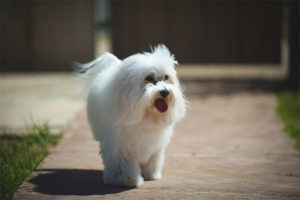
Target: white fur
point(132, 132)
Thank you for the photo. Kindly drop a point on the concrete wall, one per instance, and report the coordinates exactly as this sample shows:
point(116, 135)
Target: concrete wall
point(45, 35)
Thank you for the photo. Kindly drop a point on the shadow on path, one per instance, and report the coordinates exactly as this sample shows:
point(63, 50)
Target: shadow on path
point(72, 182)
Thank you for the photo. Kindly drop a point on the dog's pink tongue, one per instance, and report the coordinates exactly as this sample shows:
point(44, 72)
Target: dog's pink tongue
point(161, 105)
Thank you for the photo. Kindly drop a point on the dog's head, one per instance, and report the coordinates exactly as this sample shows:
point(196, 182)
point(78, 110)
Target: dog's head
point(149, 88)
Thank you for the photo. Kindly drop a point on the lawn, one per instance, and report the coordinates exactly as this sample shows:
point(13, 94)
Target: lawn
point(288, 108)
point(20, 155)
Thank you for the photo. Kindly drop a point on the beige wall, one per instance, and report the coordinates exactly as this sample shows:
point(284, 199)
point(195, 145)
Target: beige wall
point(45, 35)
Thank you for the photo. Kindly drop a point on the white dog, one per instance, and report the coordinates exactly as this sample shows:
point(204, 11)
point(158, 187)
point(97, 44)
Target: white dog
point(133, 106)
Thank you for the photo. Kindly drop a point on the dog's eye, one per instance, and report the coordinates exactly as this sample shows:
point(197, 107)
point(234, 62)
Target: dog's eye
point(166, 77)
point(149, 79)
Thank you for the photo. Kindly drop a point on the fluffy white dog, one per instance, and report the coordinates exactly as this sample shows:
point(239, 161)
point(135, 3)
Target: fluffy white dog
point(133, 105)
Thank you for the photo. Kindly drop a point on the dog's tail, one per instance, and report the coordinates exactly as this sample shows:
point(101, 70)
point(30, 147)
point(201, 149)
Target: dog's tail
point(87, 72)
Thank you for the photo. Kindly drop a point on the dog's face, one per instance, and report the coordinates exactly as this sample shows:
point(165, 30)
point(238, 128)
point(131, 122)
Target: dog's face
point(158, 86)
point(150, 90)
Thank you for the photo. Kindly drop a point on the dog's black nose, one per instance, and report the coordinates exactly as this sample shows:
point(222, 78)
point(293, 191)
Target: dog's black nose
point(164, 93)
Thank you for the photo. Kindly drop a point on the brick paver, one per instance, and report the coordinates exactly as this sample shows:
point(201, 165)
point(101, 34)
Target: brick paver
point(228, 147)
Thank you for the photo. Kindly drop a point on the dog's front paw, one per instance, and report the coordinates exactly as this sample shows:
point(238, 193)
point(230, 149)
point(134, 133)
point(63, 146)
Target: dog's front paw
point(131, 181)
point(125, 181)
point(148, 176)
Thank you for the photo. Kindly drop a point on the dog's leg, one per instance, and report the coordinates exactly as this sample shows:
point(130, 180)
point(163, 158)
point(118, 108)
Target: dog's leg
point(122, 173)
point(152, 169)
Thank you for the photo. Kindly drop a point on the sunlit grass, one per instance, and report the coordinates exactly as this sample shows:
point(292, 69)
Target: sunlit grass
point(288, 108)
point(21, 154)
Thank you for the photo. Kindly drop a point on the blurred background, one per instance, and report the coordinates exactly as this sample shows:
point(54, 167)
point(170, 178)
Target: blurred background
point(218, 36)
point(232, 41)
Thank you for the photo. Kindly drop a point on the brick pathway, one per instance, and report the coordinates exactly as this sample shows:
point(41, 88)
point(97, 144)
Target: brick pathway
point(228, 147)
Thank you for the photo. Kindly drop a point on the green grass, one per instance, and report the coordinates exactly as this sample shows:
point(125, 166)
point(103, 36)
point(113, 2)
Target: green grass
point(293, 175)
point(288, 108)
point(20, 155)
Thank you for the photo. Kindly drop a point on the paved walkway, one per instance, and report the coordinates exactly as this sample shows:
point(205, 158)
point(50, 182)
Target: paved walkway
point(38, 97)
point(228, 147)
